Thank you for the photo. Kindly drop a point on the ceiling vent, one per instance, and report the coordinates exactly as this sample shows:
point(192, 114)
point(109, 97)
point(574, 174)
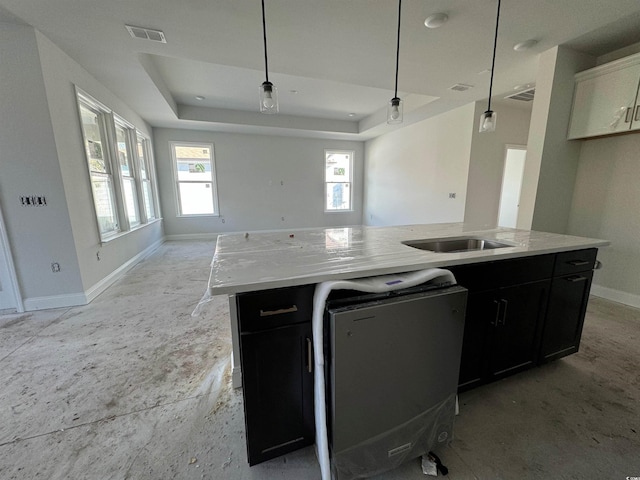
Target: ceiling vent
point(460, 87)
point(523, 96)
point(146, 34)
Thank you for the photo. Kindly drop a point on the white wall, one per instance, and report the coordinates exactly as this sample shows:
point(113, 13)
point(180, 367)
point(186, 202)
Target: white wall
point(29, 166)
point(487, 161)
point(552, 160)
point(61, 73)
point(42, 154)
point(606, 203)
point(411, 171)
point(260, 180)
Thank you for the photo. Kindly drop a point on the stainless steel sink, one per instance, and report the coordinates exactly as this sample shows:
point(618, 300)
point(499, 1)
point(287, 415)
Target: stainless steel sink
point(456, 244)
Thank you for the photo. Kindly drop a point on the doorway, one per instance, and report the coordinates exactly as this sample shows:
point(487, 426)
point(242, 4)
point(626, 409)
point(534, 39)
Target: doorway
point(514, 159)
point(10, 298)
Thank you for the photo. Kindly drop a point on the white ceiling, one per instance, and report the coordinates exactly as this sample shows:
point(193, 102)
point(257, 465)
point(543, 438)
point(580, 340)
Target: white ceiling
point(338, 55)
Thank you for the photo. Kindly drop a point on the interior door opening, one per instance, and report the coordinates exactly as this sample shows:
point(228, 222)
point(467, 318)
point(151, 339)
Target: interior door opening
point(511, 185)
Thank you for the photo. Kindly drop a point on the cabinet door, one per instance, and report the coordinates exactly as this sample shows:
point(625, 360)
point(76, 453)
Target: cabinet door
point(514, 331)
point(278, 391)
point(604, 104)
point(565, 315)
point(480, 311)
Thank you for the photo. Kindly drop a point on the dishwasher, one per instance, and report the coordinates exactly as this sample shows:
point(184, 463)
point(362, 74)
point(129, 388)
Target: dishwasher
point(391, 369)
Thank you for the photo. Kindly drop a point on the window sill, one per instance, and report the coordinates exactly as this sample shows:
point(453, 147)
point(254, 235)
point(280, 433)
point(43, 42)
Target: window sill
point(115, 236)
point(199, 215)
point(339, 211)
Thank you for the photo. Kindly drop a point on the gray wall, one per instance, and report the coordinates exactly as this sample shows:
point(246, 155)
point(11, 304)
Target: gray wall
point(29, 166)
point(487, 161)
point(410, 172)
point(606, 204)
point(260, 180)
point(552, 160)
point(42, 154)
point(61, 73)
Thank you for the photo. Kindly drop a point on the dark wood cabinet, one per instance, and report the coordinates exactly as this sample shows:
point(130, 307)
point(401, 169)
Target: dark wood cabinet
point(522, 312)
point(567, 304)
point(502, 328)
point(505, 313)
point(277, 371)
point(515, 328)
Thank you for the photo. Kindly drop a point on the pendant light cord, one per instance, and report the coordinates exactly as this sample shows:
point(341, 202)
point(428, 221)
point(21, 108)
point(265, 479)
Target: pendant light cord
point(395, 95)
point(264, 34)
point(493, 61)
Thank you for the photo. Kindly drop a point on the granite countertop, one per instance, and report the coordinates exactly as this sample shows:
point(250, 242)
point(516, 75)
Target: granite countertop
point(260, 261)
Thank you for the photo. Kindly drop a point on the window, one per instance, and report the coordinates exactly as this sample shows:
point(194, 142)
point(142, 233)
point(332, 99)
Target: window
point(148, 198)
point(94, 133)
point(127, 172)
point(120, 163)
point(194, 169)
point(338, 166)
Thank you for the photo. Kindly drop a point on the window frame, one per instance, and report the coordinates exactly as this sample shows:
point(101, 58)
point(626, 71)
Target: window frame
point(177, 181)
point(147, 158)
point(108, 122)
point(129, 134)
point(351, 154)
point(104, 117)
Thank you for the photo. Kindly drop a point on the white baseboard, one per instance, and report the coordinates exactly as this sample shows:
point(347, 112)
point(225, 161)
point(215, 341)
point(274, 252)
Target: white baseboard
point(82, 298)
point(193, 236)
point(625, 298)
point(55, 301)
point(107, 281)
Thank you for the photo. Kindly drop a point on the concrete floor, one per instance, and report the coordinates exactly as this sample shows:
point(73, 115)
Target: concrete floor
point(133, 386)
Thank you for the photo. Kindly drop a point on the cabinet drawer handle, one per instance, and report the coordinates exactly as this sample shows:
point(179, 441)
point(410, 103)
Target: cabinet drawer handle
point(309, 356)
point(578, 263)
point(636, 117)
point(628, 115)
point(575, 279)
point(268, 313)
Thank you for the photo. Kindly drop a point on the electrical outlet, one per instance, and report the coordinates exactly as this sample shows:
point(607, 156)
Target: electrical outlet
point(98, 255)
point(55, 267)
point(452, 195)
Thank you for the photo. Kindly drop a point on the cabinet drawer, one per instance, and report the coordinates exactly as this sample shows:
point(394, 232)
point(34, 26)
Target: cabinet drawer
point(575, 261)
point(490, 275)
point(259, 311)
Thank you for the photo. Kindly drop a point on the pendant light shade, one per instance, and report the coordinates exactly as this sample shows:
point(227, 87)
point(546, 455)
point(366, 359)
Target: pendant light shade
point(268, 92)
point(488, 119)
point(268, 98)
point(394, 109)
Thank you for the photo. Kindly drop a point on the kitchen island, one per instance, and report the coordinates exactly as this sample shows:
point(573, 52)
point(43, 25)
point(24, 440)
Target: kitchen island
point(526, 306)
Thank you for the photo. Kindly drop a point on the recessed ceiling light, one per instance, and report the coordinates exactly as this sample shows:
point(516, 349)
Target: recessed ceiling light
point(293, 91)
point(352, 114)
point(199, 97)
point(526, 45)
point(436, 20)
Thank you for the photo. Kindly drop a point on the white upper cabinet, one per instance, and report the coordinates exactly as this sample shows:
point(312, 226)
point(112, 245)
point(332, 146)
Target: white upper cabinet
point(606, 99)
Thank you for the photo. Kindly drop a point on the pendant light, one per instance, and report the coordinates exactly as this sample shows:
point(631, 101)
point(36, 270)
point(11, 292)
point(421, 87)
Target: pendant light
point(488, 119)
point(394, 109)
point(268, 92)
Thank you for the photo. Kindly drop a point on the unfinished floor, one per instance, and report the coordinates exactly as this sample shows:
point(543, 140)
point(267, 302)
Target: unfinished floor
point(133, 386)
